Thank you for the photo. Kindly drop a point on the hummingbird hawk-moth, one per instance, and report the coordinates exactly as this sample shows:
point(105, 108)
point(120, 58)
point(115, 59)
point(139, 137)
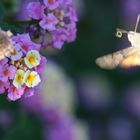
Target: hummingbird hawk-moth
point(127, 57)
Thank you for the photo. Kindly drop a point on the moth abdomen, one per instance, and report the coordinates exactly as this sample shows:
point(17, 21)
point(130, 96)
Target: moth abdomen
point(110, 61)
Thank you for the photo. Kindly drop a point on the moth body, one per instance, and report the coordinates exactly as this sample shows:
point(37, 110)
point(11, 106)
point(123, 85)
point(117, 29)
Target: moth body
point(134, 38)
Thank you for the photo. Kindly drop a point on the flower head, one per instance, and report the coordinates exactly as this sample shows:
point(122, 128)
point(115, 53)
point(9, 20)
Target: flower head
point(15, 93)
point(49, 22)
point(31, 79)
point(3, 62)
point(2, 89)
point(32, 59)
point(17, 52)
point(3, 86)
point(35, 10)
point(58, 21)
point(7, 72)
point(59, 38)
point(41, 66)
point(19, 79)
point(71, 34)
point(29, 92)
point(52, 4)
point(25, 42)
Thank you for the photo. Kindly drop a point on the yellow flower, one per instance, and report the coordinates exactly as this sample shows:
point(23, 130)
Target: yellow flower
point(32, 59)
point(19, 79)
point(31, 78)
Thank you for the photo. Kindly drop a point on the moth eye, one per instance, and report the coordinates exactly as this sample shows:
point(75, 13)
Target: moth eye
point(119, 34)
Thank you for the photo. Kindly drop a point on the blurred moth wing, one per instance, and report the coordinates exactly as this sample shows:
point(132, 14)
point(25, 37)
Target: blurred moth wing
point(124, 58)
point(6, 44)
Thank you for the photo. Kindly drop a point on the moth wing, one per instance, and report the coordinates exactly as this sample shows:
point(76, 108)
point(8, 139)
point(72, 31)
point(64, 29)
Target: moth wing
point(2, 56)
point(118, 58)
point(132, 60)
point(5, 52)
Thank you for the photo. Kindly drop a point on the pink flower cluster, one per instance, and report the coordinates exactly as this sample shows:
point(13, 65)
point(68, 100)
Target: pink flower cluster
point(56, 22)
point(20, 72)
point(21, 65)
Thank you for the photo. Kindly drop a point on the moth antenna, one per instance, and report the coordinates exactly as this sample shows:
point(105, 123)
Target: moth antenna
point(137, 22)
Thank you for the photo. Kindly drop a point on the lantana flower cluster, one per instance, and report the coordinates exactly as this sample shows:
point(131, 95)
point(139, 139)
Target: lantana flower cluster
point(55, 22)
point(20, 72)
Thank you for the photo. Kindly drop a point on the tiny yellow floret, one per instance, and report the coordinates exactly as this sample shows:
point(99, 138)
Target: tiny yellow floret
point(32, 59)
point(19, 79)
point(31, 79)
